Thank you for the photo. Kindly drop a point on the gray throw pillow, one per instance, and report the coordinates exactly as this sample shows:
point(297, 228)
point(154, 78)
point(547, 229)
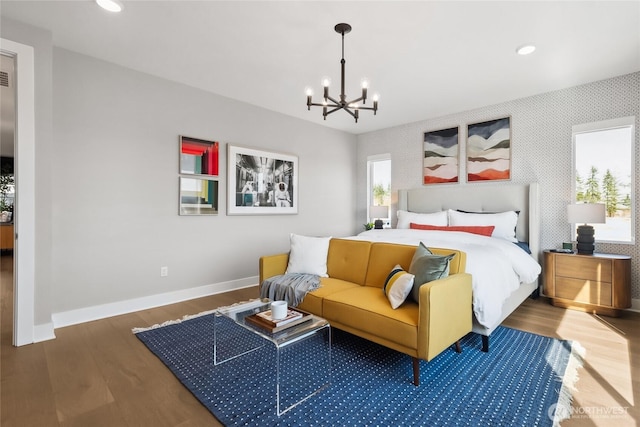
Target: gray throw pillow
point(426, 267)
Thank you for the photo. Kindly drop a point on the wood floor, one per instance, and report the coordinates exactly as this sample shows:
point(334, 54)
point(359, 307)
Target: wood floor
point(98, 374)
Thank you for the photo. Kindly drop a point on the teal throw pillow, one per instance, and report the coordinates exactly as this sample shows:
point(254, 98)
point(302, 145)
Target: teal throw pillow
point(427, 267)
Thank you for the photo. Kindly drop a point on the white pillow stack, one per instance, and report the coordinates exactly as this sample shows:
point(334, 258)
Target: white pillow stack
point(504, 222)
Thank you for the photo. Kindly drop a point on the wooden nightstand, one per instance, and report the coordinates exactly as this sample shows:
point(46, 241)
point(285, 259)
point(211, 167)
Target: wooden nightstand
point(598, 283)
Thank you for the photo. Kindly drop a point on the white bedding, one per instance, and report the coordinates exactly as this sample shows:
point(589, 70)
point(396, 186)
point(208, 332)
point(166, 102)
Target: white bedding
point(497, 266)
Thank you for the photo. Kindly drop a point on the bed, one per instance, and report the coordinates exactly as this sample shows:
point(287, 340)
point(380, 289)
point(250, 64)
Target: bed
point(497, 293)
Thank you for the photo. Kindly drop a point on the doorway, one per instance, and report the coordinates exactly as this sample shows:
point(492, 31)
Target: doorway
point(7, 193)
point(24, 218)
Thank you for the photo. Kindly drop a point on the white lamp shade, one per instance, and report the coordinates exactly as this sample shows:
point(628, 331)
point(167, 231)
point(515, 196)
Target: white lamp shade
point(379, 211)
point(586, 213)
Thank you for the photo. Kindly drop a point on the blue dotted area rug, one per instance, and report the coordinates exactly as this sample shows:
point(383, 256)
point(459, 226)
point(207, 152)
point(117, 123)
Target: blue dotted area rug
point(525, 379)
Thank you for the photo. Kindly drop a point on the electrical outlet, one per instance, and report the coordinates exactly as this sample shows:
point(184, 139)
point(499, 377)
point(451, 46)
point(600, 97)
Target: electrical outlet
point(164, 271)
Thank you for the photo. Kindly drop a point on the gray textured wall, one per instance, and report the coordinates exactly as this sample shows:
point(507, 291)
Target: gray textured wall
point(541, 150)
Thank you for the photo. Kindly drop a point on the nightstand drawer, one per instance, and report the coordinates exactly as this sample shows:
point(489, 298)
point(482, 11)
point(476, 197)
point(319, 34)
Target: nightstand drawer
point(594, 269)
point(584, 291)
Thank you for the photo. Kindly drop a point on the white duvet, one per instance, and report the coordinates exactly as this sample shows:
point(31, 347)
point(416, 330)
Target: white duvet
point(498, 267)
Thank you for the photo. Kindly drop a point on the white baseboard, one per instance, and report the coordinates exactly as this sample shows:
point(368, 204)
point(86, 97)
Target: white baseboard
point(44, 332)
point(88, 314)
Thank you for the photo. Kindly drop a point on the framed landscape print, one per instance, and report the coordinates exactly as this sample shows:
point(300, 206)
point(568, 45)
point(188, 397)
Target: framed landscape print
point(489, 150)
point(199, 157)
point(440, 152)
point(261, 182)
point(198, 196)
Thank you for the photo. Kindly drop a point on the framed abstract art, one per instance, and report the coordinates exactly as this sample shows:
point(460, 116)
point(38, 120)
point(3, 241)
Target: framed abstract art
point(199, 157)
point(198, 196)
point(440, 156)
point(489, 150)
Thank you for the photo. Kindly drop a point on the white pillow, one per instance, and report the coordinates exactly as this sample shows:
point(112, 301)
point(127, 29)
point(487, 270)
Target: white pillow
point(405, 218)
point(398, 286)
point(308, 255)
point(504, 222)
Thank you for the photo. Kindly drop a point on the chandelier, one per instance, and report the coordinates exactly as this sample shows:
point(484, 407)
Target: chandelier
point(329, 104)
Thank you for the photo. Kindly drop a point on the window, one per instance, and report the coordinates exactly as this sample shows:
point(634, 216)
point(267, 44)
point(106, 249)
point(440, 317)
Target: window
point(379, 184)
point(604, 158)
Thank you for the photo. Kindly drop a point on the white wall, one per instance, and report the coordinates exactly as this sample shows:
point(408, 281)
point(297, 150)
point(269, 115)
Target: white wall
point(541, 150)
point(115, 185)
point(107, 185)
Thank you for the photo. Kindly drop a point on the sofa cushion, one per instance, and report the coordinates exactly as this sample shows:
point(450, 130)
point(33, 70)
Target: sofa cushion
point(384, 256)
point(348, 260)
point(398, 286)
point(308, 255)
point(427, 267)
point(312, 302)
point(367, 309)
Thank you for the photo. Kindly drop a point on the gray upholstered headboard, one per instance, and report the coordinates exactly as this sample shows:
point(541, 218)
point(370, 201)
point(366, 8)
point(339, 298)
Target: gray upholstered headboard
point(481, 197)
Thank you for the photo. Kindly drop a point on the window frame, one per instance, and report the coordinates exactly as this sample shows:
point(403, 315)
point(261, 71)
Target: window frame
point(604, 125)
point(370, 160)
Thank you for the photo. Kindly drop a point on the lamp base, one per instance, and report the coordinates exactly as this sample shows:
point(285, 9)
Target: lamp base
point(585, 240)
point(378, 224)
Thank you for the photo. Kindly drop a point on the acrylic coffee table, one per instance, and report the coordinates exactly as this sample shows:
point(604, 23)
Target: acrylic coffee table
point(297, 376)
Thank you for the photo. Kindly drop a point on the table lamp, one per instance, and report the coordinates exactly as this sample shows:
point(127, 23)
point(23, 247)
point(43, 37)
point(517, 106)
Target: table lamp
point(378, 212)
point(586, 213)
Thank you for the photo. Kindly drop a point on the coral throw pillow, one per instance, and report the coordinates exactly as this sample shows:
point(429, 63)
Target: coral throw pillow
point(483, 230)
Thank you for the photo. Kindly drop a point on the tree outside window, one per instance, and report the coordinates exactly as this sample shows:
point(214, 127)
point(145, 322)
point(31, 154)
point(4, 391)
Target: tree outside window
point(603, 155)
point(382, 194)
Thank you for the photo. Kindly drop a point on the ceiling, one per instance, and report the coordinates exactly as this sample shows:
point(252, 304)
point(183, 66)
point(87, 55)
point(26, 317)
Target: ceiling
point(425, 58)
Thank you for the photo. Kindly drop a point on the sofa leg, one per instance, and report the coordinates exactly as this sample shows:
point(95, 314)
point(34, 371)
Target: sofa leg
point(485, 343)
point(458, 348)
point(416, 371)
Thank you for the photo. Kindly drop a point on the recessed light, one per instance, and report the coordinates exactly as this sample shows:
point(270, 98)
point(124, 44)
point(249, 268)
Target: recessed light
point(110, 5)
point(526, 49)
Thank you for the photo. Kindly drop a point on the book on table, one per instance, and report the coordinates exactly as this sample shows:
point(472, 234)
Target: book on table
point(264, 320)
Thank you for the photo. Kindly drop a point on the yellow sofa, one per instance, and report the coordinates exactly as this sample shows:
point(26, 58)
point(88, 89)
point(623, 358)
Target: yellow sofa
point(351, 298)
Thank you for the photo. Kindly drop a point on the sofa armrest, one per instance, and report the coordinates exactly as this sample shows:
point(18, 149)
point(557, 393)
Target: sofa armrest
point(445, 314)
point(273, 265)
